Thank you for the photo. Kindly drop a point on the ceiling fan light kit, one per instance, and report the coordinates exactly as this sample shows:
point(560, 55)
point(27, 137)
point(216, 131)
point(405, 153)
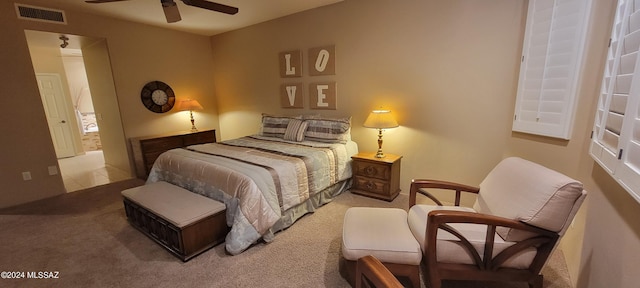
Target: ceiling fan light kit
point(172, 13)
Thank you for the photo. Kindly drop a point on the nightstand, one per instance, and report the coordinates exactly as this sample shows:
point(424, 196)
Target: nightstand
point(376, 177)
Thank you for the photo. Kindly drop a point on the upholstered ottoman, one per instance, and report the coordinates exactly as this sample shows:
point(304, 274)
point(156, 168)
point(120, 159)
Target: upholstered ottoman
point(183, 222)
point(383, 233)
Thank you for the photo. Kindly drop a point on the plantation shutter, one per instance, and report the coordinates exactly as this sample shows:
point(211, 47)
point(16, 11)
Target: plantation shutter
point(552, 56)
point(615, 143)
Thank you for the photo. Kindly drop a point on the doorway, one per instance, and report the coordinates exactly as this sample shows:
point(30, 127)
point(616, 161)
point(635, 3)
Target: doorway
point(91, 116)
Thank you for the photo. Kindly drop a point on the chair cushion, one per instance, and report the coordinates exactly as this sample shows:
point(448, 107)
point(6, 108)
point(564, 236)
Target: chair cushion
point(528, 192)
point(381, 232)
point(449, 249)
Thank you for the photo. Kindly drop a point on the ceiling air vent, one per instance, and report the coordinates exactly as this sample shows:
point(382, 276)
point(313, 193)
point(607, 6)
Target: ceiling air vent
point(28, 12)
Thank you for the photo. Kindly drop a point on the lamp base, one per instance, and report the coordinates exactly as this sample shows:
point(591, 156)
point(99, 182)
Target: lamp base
point(379, 154)
point(193, 123)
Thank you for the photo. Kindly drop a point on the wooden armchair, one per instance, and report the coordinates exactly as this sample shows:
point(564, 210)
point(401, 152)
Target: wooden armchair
point(370, 272)
point(522, 210)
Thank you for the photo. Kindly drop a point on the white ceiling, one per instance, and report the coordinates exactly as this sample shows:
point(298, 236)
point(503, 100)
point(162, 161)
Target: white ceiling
point(194, 20)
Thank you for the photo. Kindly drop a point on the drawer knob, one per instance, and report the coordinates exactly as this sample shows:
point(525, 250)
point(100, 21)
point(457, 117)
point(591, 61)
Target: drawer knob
point(370, 185)
point(370, 170)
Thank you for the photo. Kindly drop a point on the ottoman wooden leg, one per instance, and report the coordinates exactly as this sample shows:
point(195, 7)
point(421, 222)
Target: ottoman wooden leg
point(410, 272)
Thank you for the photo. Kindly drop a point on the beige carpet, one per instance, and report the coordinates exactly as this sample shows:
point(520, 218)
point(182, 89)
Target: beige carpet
point(84, 236)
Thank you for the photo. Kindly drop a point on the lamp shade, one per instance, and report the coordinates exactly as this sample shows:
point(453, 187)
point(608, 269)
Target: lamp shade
point(189, 105)
point(381, 119)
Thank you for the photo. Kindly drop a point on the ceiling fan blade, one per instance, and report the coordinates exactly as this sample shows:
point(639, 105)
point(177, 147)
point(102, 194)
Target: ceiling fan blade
point(171, 11)
point(102, 1)
point(212, 6)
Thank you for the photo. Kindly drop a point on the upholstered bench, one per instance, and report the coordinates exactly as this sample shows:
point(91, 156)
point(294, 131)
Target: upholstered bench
point(384, 234)
point(183, 222)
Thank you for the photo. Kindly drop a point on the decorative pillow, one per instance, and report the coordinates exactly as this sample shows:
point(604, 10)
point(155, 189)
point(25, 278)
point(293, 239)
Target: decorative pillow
point(328, 130)
point(295, 130)
point(275, 126)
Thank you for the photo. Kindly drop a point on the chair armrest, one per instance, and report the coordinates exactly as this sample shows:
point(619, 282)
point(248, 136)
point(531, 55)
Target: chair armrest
point(544, 241)
point(417, 186)
point(371, 271)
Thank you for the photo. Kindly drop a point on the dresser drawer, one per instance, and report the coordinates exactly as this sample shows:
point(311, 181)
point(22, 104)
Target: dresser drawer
point(199, 138)
point(371, 169)
point(150, 158)
point(161, 144)
point(371, 185)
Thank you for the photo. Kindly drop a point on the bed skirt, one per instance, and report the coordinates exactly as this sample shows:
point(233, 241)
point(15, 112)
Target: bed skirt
point(316, 201)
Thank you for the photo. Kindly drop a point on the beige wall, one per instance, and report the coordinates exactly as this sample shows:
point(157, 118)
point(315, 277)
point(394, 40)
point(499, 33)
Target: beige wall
point(137, 54)
point(449, 70)
point(435, 64)
point(26, 144)
point(108, 116)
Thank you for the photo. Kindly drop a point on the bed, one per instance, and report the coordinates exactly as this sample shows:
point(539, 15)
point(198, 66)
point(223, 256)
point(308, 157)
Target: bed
point(269, 180)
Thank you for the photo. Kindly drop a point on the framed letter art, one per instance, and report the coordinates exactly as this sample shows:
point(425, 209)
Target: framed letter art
point(322, 61)
point(291, 95)
point(290, 64)
point(322, 95)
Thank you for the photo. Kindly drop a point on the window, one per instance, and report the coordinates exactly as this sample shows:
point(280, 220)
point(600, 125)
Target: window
point(552, 56)
point(615, 142)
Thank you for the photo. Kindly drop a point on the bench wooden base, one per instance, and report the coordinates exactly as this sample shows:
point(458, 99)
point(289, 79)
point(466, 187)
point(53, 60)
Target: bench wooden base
point(185, 242)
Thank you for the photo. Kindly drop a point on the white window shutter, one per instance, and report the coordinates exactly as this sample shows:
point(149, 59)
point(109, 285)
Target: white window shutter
point(615, 143)
point(551, 64)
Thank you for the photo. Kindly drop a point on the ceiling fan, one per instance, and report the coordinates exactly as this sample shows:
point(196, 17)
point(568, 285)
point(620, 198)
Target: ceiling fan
point(171, 12)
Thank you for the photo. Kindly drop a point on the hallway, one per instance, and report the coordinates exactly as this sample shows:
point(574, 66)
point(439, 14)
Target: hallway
point(86, 171)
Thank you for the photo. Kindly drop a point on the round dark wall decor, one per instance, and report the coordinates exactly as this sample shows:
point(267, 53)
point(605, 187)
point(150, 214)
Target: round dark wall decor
point(157, 96)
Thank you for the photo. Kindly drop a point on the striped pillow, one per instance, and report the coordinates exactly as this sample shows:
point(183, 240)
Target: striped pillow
point(328, 130)
point(275, 126)
point(295, 130)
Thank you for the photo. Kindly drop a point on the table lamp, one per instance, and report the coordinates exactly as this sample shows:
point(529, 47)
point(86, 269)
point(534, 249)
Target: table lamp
point(190, 105)
point(380, 119)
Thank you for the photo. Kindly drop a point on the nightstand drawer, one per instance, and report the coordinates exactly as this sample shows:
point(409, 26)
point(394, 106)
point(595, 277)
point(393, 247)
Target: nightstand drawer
point(370, 169)
point(371, 185)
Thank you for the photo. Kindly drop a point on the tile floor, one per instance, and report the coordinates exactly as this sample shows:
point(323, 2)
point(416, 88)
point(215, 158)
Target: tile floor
point(86, 171)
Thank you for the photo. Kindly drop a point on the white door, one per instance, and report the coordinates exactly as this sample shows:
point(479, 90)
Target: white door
point(55, 108)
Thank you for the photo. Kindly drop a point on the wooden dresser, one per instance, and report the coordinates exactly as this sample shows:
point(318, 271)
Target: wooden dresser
point(376, 177)
point(147, 149)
